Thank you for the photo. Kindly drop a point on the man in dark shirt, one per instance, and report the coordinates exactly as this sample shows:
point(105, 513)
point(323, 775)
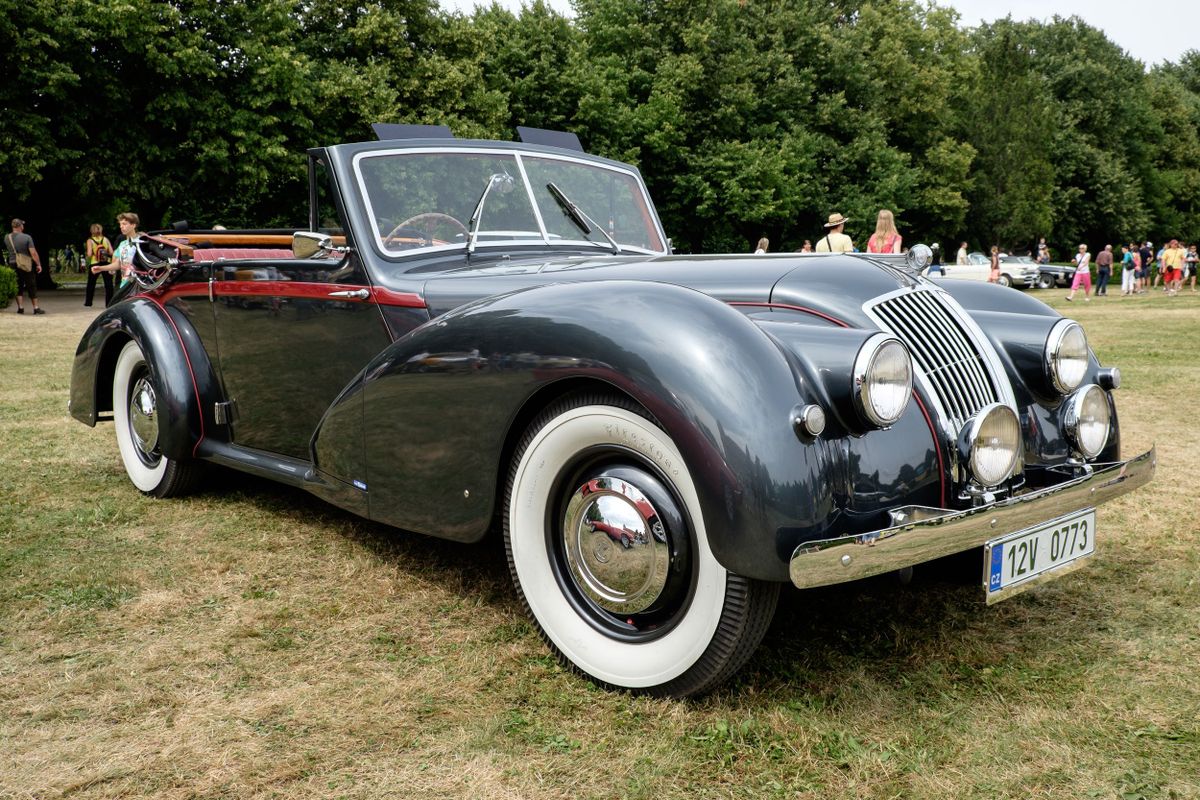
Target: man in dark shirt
point(20, 247)
point(935, 264)
point(1147, 255)
point(1104, 262)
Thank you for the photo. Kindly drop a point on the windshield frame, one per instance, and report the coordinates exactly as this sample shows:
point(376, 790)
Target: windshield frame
point(544, 240)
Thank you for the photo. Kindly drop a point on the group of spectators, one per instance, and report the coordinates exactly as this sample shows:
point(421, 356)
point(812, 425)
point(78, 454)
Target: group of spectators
point(1142, 269)
point(885, 239)
point(101, 260)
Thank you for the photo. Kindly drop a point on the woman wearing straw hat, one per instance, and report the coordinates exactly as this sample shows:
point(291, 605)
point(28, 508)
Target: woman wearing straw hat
point(835, 241)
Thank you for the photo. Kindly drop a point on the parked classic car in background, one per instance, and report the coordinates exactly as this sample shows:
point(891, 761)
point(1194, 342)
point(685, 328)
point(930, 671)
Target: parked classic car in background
point(1017, 271)
point(477, 335)
point(1051, 275)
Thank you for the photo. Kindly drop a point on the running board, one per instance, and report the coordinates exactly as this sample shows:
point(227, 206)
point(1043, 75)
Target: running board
point(289, 471)
point(276, 467)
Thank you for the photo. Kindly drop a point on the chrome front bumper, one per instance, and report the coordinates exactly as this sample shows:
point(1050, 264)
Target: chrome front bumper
point(929, 533)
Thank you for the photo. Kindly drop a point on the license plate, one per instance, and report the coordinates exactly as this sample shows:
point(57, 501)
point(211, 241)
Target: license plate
point(1017, 558)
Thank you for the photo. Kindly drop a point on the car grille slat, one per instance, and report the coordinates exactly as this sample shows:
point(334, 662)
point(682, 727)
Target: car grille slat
point(969, 359)
point(942, 350)
point(928, 355)
point(933, 357)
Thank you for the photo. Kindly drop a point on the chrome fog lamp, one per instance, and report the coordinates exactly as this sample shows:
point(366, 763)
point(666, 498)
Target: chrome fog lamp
point(882, 380)
point(1066, 355)
point(992, 442)
point(1088, 420)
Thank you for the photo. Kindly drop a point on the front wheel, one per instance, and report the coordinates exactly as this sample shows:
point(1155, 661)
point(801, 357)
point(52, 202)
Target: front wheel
point(607, 547)
point(136, 412)
point(1005, 279)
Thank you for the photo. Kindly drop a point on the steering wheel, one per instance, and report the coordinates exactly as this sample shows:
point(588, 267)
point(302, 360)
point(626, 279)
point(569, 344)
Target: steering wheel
point(422, 225)
point(154, 261)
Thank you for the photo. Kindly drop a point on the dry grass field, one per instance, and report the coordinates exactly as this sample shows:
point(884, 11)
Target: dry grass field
point(253, 642)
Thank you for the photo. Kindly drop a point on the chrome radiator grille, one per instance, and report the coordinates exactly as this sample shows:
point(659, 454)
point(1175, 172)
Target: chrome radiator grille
point(942, 350)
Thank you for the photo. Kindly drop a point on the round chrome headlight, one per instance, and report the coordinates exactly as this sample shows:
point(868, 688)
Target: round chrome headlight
point(992, 439)
point(1088, 420)
point(882, 380)
point(1066, 355)
point(919, 257)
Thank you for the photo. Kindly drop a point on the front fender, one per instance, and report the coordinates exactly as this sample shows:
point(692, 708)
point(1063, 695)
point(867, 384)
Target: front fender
point(181, 371)
point(441, 403)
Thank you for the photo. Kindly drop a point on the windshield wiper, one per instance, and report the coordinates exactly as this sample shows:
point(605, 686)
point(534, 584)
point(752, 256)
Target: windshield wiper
point(501, 180)
point(581, 220)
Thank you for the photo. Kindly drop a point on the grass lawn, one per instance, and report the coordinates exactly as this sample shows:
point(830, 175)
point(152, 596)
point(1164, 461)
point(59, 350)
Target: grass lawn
point(251, 641)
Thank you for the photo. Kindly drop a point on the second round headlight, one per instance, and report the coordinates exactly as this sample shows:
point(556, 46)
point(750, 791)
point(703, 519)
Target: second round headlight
point(1088, 420)
point(1066, 355)
point(883, 376)
point(993, 443)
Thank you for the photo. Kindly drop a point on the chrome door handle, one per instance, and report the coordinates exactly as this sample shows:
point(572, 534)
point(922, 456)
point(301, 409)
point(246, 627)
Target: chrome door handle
point(361, 294)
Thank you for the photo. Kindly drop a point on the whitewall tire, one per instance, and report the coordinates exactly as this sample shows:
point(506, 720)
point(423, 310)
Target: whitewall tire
point(136, 411)
point(607, 547)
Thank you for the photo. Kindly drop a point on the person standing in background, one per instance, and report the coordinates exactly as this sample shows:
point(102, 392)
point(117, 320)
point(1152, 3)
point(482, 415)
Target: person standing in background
point(806, 247)
point(885, 239)
point(122, 262)
point(1104, 262)
point(98, 252)
point(1193, 261)
point(935, 261)
point(1128, 270)
point(763, 244)
point(835, 241)
point(1147, 254)
point(961, 258)
point(1083, 274)
point(994, 274)
point(24, 255)
point(1043, 252)
point(1173, 258)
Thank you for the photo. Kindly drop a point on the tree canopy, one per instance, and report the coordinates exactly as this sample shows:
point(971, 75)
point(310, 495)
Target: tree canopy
point(746, 118)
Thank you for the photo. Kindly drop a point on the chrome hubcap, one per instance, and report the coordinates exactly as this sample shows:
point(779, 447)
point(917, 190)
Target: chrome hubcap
point(615, 544)
point(143, 416)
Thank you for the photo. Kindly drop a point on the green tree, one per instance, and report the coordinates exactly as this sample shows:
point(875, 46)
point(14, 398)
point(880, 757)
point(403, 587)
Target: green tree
point(1100, 149)
point(1011, 126)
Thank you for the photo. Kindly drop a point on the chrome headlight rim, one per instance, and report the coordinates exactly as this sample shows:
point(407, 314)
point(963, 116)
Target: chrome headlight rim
point(1075, 415)
point(863, 380)
point(918, 257)
point(969, 439)
point(1053, 353)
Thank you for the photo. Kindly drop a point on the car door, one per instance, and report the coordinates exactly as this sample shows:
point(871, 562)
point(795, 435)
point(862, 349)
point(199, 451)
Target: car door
point(976, 269)
point(291, 333)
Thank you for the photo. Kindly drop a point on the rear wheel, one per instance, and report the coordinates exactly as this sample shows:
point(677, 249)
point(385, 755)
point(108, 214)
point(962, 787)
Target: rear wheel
point(607, 547)
point(1005, 279)
point(1045, 281)
point(136, 416)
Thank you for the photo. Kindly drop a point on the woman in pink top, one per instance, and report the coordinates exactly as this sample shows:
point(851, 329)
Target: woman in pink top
point(1083, 274)
point(885, 239)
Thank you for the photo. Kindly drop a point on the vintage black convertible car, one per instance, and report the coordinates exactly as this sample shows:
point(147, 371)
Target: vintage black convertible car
point(475, 335)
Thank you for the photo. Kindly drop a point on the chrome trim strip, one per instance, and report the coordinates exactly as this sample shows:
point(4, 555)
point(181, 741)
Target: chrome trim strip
point(942, 532)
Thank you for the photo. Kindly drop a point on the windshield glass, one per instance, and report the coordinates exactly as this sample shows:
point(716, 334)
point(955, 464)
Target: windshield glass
point(419, 200)
point(613, 199)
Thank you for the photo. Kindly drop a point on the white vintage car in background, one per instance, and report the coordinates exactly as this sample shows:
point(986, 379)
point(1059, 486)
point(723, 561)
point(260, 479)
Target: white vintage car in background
point(1018, 271)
